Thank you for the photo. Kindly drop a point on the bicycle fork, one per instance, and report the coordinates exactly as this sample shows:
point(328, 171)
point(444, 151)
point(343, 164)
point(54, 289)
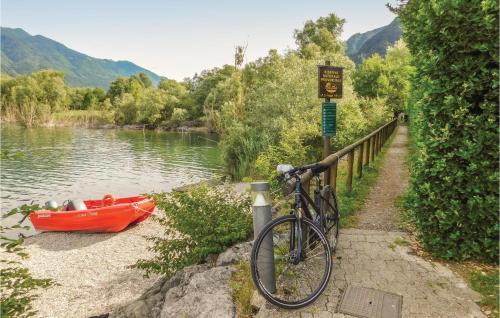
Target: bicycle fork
point(297, 254)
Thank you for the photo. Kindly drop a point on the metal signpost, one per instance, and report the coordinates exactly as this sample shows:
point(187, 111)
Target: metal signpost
point(330, 79)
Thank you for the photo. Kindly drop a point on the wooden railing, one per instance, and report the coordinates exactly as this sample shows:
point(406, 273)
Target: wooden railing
point(367, 148)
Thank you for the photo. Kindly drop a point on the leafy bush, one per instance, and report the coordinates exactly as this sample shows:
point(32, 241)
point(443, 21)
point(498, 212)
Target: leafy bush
point(17, 284)
point(126, 109)
point(201, 221)
point(179, 115)
point(454, 186)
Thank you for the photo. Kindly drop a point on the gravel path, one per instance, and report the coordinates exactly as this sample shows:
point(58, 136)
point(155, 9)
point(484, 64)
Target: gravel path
point(379, 212)
point(90, 268)
point(378, 256)
point(375, 259)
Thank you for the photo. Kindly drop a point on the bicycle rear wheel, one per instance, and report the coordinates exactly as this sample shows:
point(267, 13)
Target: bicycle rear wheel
point(298, 282)
point(330, 216)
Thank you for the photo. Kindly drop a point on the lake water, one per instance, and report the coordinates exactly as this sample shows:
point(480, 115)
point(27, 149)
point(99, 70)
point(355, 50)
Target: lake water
point(78, 163)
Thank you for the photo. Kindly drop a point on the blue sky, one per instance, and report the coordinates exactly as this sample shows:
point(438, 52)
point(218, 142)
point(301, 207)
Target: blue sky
point(179, 38)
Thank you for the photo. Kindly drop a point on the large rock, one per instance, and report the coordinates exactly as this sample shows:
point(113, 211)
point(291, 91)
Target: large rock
point(235, 254)
point(195, 291)
point(207, 294)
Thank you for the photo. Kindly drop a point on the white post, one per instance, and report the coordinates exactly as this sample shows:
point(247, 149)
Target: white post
point(261, 216)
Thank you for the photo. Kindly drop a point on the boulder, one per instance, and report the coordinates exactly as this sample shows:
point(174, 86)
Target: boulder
point(235, 254)
point(207, 294)
point(195, 291)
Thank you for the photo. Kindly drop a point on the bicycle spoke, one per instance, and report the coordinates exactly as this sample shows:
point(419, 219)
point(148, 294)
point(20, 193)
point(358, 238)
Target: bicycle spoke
point(297, 280)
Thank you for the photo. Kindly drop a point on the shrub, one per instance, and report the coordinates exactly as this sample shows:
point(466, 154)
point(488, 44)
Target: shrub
point(201, 221)
point(454, 186)
point(17, 285)
point(179, 115)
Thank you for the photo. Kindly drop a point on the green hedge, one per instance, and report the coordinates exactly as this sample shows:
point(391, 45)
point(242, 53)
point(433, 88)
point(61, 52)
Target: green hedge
point(454, 187)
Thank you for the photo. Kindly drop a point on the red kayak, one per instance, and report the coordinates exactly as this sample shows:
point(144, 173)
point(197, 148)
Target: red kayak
point(106, 215)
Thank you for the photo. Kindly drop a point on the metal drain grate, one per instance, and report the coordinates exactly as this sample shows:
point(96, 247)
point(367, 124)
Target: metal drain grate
point(370, 303)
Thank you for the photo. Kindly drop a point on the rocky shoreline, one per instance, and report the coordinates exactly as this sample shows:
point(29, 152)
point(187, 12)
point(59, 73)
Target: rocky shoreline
point(195, 291)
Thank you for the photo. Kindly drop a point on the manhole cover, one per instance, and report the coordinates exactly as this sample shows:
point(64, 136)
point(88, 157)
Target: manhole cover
point(370, 303)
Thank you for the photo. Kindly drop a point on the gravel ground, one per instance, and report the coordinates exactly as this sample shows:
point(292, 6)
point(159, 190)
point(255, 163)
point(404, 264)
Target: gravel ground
point(90, 268)
point(379, 212)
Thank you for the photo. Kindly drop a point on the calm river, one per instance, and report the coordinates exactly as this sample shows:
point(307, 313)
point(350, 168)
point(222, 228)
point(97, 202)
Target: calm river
point(78, 163)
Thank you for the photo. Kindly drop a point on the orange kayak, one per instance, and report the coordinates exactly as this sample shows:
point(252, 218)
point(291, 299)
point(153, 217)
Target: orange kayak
point(107, 215)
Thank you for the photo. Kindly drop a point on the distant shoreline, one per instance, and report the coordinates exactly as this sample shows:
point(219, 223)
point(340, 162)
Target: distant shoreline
point(183, 127)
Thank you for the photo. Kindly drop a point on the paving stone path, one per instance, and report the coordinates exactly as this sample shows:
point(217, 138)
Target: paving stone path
point(377, 256)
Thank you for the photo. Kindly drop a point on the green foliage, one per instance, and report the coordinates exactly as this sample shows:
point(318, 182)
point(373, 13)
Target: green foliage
point(89, 118)
point(126, 109)
point(454, 114)
point(178, 115)
point(269, 113)
point(386, 78)
point(201, 85)
point(17, 283)
point(242, 290)
point(86, 98)
point(201, 221)
point(324, 33)
point(487, 284)
point(32, 99)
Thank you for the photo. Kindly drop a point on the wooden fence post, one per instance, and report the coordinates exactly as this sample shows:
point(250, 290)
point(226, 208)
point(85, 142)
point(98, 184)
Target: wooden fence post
point(350, 166)
point(378, 143)
point(372, 139)
point(367, 158)
point(360, 160)
point(333, 176)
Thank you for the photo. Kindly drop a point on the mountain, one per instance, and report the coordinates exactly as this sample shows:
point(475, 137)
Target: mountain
point(363, 45)
point(22, 53)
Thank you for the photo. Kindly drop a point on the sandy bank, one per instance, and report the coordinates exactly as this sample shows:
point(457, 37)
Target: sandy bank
point(90, 268)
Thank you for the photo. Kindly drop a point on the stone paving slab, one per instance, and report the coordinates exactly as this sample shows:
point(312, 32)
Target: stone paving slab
point(374, 259)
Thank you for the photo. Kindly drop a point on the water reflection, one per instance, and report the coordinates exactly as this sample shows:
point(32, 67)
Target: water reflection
point(65, 163)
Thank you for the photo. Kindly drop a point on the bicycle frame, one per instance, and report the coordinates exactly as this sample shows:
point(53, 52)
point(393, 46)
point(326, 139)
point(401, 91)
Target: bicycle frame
point(303, 200)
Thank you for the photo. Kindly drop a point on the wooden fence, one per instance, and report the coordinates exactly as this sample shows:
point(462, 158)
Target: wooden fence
point(367, 148)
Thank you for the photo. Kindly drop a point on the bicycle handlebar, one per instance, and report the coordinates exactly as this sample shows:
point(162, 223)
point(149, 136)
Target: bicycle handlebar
point(316, 168)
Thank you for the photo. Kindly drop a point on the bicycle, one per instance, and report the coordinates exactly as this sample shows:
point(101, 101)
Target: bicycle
point(291, 260)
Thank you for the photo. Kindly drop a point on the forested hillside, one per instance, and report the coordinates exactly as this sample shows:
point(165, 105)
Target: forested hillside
point(364, 45)
point(23, 53)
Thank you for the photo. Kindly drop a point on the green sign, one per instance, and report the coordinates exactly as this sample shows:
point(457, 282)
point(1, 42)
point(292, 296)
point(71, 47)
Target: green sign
point(329, 119)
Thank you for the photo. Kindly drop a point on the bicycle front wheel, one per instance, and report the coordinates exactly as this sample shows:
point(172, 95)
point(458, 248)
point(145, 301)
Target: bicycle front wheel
point(285, 278)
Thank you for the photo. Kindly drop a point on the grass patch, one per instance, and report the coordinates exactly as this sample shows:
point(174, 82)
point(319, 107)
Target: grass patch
point(486, 283)
point(84, 117)
point(242, 289)
point(406, 219)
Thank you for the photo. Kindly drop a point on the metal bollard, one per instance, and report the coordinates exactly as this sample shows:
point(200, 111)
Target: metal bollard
point(261, 216)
